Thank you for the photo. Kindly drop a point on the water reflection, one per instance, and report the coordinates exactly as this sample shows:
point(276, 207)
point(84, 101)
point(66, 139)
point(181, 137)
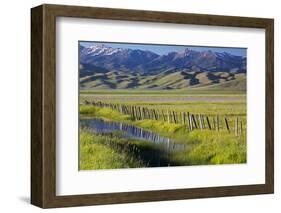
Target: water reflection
point(129, 131)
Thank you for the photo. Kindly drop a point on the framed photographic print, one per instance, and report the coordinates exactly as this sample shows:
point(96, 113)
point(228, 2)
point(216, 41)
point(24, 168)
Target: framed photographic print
point(136, 106)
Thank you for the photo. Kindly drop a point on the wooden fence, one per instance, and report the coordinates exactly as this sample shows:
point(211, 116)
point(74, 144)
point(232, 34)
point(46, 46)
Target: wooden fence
point(192, 121)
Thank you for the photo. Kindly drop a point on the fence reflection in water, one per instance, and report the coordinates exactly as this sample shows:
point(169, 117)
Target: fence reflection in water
point(100, 126)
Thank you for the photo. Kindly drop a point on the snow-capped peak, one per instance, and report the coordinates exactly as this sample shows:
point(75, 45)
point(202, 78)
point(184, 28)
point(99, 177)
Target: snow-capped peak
point(100, 49)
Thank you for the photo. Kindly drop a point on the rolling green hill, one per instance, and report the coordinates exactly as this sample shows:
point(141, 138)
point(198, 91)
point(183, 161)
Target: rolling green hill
point(168, 79)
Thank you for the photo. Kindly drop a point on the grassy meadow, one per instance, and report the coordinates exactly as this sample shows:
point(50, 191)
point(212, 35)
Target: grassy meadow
point(203, 146)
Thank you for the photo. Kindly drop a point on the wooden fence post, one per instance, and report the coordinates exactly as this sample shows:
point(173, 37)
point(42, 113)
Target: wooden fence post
point(194, 121)
point(140, 112)
point(214, 122)
point(158, 114)
point(147, 112)
point(203, 122)
point(200, 122)
point(163, 115)
point(155, 114)
point(190, 121)
point(168, 116)
point(241, 126)
point(174, 115)
point(184, 118)
point(133, 112)
point(218, 122)
point(226, 124)
point(236, 126)
point(208, 122)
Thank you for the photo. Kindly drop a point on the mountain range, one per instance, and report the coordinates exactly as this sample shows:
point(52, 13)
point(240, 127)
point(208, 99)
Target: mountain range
point(103, 67)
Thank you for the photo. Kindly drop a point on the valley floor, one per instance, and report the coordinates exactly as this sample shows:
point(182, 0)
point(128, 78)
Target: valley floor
point(203, 146)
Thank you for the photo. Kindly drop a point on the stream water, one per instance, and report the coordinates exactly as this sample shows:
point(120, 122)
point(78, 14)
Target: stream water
point(129, 131)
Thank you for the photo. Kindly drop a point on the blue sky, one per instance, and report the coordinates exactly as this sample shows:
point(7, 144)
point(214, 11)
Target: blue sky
point(164, 49)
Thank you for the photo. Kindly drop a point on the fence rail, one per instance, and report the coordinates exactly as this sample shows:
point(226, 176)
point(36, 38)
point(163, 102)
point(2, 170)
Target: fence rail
point(192, 121)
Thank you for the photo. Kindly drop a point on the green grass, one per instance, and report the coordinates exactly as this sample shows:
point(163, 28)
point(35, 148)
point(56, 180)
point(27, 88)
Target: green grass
point(205, 147)
point(95, 153)
point(107, 113)
point(111, 151)
point(214, 148)
point(193, 101)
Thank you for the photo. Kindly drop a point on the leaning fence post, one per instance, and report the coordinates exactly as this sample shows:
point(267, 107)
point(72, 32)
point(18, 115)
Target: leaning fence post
point(194, 120)
point(226, 124)
point(174, 115)
point(141, 115)
point(155, 115)
point(158, 114)
point(208, 122)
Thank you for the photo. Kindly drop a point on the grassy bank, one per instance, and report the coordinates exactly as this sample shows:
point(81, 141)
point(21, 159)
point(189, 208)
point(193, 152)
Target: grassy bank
point(96, 153)
point(111, 151)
